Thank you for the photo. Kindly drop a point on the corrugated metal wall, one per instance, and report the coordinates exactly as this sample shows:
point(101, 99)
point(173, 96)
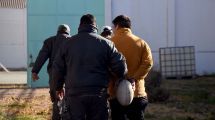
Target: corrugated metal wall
point(172, 23)
point(13, 4)
point(13, 37)
point(43, 18)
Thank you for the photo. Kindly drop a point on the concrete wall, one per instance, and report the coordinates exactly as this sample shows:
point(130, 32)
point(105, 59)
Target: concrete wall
point(172, 23)
point(13, 38)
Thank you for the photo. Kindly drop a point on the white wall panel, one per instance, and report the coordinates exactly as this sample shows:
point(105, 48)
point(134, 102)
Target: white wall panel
point(13, 49)
point(172, 23)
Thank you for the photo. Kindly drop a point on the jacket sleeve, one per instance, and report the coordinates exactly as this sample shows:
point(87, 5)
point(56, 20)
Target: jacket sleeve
point(43, 55)
point(59, 69)
point(146, 62)
point(117, 62)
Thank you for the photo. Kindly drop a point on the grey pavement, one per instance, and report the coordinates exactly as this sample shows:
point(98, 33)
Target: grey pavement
point(13, 77)
point(24, 93)
point(18, 79)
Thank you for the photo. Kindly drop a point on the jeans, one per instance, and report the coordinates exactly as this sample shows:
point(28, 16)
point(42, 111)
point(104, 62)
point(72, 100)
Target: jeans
point(134, 111)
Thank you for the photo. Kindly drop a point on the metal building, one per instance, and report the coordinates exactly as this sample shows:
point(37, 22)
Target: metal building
point(162, 23)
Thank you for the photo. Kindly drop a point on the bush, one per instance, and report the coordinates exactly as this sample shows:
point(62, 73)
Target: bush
point(158, 95)
point(153, 79)
point(153, 89)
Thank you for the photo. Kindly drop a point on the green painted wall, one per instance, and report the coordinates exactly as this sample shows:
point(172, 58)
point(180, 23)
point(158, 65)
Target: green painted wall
point(43, 17)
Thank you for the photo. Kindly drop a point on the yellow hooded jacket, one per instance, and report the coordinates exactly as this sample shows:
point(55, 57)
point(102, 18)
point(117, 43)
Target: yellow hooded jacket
point(138, 58)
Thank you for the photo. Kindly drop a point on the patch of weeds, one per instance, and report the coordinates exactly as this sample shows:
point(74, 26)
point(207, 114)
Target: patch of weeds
point(17, 105)
point(189, 118)
point(41, 113)
point(1, 106)
point(187, 107)
point(2, 117)
point(211, 116)
point(209, 74)
point(177, 118)
point(200, 96)
point(149, 115)
point(159, 95)
point(23, 117)
point(210, 100)
point(191, 95)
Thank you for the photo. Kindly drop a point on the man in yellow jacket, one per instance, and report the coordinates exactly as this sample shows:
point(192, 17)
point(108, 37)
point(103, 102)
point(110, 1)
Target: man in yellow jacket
point(139, 61)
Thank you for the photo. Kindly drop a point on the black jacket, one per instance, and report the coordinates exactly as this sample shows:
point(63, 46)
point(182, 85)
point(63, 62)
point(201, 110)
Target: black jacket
point(85, 61)
point(48, 51)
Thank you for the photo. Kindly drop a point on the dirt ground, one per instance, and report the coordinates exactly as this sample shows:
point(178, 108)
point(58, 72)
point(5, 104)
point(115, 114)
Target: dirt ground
point(189, 100)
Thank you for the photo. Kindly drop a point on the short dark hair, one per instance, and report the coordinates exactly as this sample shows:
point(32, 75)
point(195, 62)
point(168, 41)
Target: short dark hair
point(87, 19)
point(122, 21)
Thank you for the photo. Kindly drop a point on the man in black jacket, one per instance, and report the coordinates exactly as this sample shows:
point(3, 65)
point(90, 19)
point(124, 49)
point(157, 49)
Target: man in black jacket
point(84, 64)
point(48, 51)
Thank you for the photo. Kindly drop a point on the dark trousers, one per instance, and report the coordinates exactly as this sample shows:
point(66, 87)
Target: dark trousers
point(54, 99)
point(86, 107)
point(55, 108)
point(134, 111)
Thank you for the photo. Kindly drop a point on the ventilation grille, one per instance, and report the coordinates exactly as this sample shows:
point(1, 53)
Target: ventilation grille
point(18, 4)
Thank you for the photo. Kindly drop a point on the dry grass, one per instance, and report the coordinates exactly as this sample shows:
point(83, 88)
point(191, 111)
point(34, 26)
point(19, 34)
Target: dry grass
point(36, 108)
point(189, 100)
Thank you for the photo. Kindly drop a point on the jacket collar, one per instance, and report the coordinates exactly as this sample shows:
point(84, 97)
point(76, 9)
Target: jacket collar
point(87, 28)
point(122, 31)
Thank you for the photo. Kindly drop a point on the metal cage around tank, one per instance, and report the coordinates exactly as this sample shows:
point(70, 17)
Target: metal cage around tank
point(177, 62)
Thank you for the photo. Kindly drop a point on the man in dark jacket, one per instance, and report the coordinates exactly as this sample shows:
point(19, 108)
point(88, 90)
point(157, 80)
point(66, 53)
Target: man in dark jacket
point(83, 64)
point(48, 51)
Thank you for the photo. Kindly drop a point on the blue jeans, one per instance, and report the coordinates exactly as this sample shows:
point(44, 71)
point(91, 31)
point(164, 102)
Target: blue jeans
point(134, 111)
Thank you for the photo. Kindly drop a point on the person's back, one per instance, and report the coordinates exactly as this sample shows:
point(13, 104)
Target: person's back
point(57, 42)
point(50, 48)
point(88, 60)
point(130, 45)
point(139, 60)
point(83, 64)
point(48, 52)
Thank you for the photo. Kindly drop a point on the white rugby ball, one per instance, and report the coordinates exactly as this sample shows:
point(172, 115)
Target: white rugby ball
point(124, 93)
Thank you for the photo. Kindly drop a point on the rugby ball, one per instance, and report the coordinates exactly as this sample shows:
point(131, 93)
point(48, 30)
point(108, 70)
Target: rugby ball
point(124, 92)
